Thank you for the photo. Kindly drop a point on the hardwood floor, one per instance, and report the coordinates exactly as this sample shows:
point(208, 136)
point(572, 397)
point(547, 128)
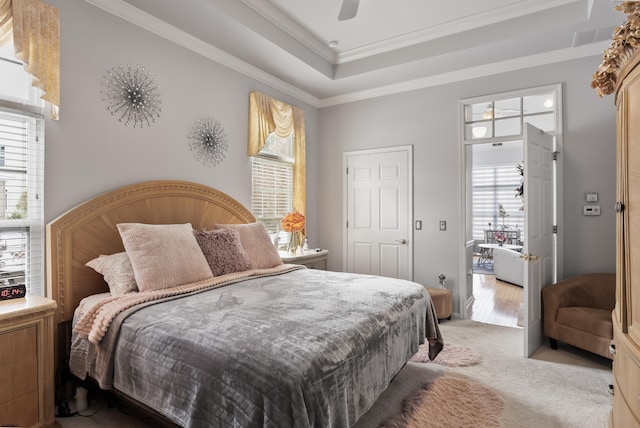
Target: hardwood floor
point(496, 302)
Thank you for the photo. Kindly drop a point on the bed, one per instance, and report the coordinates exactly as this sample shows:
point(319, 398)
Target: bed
point(271, 346)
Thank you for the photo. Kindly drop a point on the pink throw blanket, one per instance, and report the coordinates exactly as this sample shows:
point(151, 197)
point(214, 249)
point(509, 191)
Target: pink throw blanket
point(94, 323)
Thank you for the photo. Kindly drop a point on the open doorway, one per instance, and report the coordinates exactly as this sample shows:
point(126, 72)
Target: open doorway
point(498, 225)
point(495, 119)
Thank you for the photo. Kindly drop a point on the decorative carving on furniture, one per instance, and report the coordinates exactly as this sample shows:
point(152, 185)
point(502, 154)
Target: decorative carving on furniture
point(626, 39)
point(88, 230)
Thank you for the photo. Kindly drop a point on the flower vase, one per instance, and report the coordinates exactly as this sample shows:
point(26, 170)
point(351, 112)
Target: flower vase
point(294, 243)
point(500, 243)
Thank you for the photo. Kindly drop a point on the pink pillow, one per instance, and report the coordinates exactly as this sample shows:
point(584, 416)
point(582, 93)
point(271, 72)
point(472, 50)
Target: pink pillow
point(223, 251)
point(256, 242)
point(163, 255)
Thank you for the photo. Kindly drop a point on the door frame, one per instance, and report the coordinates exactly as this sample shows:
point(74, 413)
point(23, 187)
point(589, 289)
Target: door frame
point(465, 299)
point(405, 148)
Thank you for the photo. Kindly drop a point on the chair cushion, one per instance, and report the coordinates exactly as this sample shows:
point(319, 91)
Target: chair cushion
point(590, 320)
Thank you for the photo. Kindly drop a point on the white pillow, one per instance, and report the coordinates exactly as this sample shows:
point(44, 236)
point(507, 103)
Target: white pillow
point(117, 272)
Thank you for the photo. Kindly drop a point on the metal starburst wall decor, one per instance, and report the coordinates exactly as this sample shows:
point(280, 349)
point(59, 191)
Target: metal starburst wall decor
point(132, 95)
point(208, 141)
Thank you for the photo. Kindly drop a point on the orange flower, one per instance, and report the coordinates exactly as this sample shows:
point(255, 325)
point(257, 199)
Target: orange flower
point(293, 222)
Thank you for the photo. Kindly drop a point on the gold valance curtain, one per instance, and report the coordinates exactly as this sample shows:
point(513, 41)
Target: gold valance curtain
point(267, 115)
point(34, 27)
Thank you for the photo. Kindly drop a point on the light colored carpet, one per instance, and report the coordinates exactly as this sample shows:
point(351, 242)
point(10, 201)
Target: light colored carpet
point(564, 388)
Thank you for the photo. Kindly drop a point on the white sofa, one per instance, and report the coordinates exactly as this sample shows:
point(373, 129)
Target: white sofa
point(508, 266)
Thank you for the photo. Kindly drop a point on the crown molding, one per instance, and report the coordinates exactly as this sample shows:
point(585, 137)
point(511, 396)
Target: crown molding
point(167, 31)
point(468, 23)
point(530, 61)
point(156, 26)
point(292, 28)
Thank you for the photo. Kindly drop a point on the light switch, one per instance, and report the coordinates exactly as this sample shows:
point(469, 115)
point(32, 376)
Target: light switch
point(592, 196)
point(443, 225)
point(418, 224)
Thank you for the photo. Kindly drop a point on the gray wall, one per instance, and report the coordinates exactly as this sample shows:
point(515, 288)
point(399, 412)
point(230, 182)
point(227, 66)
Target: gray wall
point(89, 152)
point(428, 119)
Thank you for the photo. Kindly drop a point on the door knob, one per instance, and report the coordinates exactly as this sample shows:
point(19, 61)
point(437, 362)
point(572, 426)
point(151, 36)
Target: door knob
point(402, 241)
point(528, 257)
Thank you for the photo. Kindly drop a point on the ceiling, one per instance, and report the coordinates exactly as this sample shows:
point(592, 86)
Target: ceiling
point(390, 46)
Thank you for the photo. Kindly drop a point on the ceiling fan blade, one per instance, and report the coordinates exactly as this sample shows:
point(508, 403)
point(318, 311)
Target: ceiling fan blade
point(348, 10)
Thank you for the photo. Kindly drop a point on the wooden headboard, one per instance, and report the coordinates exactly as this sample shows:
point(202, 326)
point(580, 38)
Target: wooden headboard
point(89, 230)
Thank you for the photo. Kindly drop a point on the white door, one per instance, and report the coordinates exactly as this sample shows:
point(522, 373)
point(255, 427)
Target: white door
point(379, 212)
point(538, 241)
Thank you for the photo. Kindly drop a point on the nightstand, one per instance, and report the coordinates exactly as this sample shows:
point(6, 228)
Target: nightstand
point(26, 362)
point(311, 258)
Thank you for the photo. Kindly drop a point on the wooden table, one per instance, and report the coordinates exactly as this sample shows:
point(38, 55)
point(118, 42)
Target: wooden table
point(313, 259)
point(27, 360)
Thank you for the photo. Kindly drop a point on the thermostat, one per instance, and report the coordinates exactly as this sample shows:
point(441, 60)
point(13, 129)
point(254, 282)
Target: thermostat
point(591, 210)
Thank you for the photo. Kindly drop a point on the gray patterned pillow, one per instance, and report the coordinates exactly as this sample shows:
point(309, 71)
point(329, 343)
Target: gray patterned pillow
point(223, 251)
point(117, 272)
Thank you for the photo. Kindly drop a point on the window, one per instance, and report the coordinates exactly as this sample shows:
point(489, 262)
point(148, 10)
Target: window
point(21, 177)
point(272, 183)
point(493, 185)
point(504, 118)
point(493, 126)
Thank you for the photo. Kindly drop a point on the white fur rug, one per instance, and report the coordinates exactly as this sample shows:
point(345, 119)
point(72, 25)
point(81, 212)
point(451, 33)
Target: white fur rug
point(567, 388)
point(448, 399)
point(450, 356)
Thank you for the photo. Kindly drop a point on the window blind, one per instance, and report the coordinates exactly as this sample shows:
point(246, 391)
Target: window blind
point(271, 190)
point(21, 202)
point(493, 185)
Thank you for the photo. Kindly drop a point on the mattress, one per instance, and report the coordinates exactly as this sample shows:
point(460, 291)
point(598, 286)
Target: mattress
point(305, 348)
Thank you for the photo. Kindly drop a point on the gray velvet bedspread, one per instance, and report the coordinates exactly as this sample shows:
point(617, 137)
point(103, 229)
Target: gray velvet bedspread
point(302, 349)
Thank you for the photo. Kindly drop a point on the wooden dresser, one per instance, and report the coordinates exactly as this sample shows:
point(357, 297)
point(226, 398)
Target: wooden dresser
point(619, 74)
point(626, 315)
point(26, 362)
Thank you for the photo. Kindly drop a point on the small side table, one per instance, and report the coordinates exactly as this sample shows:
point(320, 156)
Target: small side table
point(26, 358)
point(312, 259)
point(442, 299)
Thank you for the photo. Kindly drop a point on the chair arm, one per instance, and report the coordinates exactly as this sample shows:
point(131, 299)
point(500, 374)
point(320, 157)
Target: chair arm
point(595, 290)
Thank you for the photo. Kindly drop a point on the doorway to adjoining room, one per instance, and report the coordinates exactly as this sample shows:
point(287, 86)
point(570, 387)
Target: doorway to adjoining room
point(502, 131)
point(498, 222)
